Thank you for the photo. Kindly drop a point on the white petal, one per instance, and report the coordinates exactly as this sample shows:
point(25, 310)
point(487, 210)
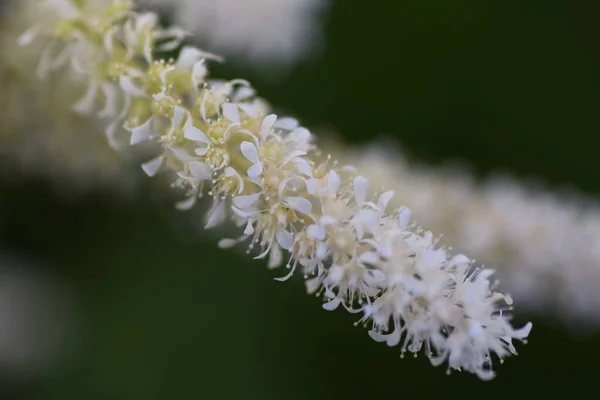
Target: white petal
point(361, 188)
point(178, 114)
point(169, 45)
point(428, 237)
point(267, 125)
point(285, 239)
point(145, 21)
point(404, 216)
point(360, 231)
point(203, 105)
point(308, 262)
point(230, 172)
point(130, 88)
point(110, 101)
point(288, 276)
point(327, 220)
point(45, 61)
point(188, 56)
point(243, 213)
point(250, 151)
point(301, 134)
point(249, 230)
point(313, 186)
point(181, 154)
point(286, 123)
point(523, 332)
point(385, 249)
point(459, 259)
point(316, 232)
point(322, 250)
point(190, 132)
point(200, 170)
point(299, 204)
point(227, 243)
point(61, 59)
point(231, 112)
point(332, 304)
point(370, 219)
point(333, 183)
point(351, 169)
point(255, 170)
point(108, 40)
point(391, 340)
point(243, 93)
point(485, 275)
point(186, 204)
point(198, 73)
point(200, 151)
point(243, 202)
point(28, 36)
point(80, 69)
point(378, 337)
point(111, 131)
point(205, 54)
point(275, 257)
point(303, 166)
point(142, 132)
point(374, 278)
point(248, 109)
point(384, 199)
point(291, 156)
point(312, 285)
point(151, 167)
point(370, 258)
point(148, 49)
point(86, 103)
point(192, 59)
point(283, 184)
point(215, 215)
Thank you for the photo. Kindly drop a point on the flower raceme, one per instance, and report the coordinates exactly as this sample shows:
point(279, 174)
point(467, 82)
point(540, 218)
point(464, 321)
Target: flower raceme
point(293, 206)
point(528, 232)
point(42, 137)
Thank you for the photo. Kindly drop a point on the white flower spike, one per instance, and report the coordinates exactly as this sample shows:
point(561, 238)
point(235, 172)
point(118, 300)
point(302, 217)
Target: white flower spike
point(264, 174)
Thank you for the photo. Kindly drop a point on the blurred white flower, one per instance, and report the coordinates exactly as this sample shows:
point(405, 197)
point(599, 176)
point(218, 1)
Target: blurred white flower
point(264, 32)
point(35, 319)
point(41, 134)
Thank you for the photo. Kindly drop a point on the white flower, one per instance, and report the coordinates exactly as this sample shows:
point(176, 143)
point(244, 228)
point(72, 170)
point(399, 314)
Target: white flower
point(479, 328)
point(270, 223)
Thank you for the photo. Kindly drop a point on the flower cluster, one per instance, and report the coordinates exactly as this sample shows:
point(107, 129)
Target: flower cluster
point(552, 236)
point(294, 206)
point(40, 136)
point(534, 237)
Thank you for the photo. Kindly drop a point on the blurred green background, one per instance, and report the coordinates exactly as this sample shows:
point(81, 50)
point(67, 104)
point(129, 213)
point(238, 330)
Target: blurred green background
point(162, 313)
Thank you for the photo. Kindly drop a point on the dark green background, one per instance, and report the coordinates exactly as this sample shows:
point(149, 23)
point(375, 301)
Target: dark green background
point(511, 85)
